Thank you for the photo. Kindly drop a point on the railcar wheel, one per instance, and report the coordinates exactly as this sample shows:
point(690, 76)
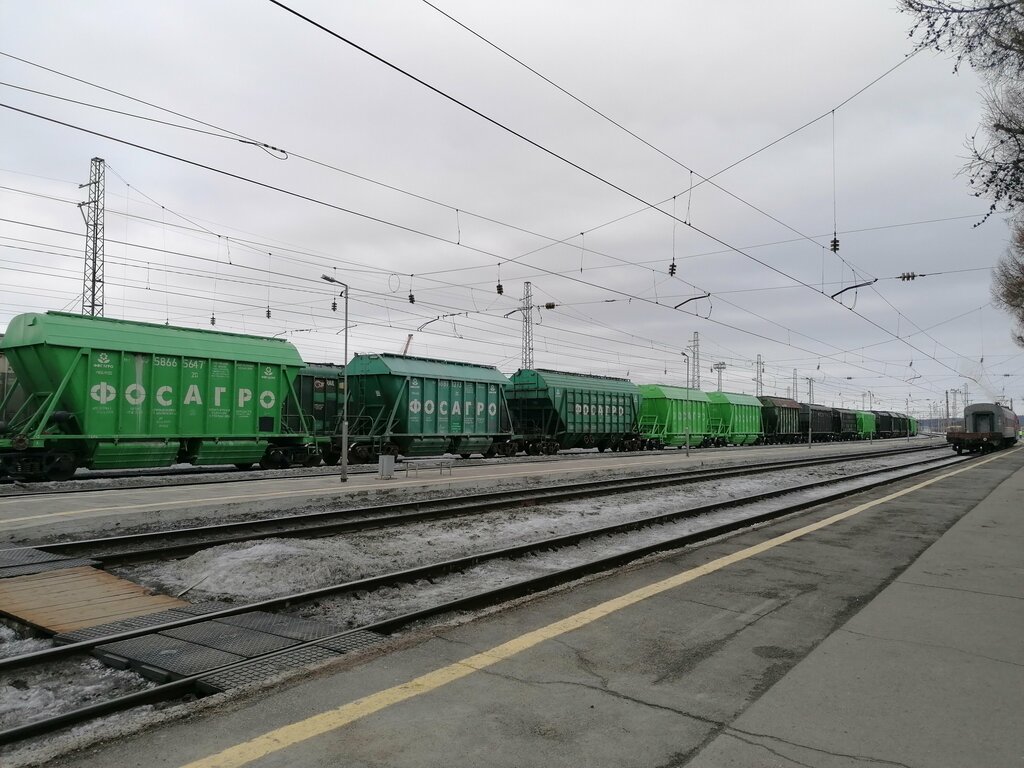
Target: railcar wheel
point(61, 468)
point(359, 454)
point(491, 452)
point(243, 465)
point(313, 460)
point(331, 458)
point(275, 458)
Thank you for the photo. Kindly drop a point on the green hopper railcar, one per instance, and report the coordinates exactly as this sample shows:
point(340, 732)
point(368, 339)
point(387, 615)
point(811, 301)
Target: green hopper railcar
point(866, 425)
point(415, 406)
point(104, 394)
point(735, 419)
point(553, 410)
point(673, 416)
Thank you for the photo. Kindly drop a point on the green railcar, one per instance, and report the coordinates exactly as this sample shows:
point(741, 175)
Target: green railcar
point(866, 425)
point(103, 394)
point(735, 419)
point(673, 416)
point(913, 426)
point(554, 410)
point(417, 406)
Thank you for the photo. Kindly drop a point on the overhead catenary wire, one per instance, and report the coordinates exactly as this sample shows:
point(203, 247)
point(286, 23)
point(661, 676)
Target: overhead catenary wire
point(571, 163)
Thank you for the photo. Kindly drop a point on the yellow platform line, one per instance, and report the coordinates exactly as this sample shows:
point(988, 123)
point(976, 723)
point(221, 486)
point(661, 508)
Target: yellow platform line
point(286, 736)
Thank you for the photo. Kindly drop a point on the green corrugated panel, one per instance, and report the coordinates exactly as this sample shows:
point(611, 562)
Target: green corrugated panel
point(564, 380)
point(401, 365)
point(735, 417)
point(61, 329)
point(674, 415)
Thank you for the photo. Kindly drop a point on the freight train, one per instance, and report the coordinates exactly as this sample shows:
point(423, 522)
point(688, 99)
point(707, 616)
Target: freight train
point(113, 394)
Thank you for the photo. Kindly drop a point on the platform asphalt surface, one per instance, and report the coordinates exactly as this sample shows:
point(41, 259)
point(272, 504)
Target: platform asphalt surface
point(884, 630)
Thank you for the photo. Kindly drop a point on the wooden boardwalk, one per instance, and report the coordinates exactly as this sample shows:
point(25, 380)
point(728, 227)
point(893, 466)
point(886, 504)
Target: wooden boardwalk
point(75, 598)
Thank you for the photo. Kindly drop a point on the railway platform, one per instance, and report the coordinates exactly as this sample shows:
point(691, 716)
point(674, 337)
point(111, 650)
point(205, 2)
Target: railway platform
point(879, 630)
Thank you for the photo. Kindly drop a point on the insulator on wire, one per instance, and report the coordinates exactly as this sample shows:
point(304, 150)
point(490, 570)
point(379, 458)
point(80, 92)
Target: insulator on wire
point(907, 275)
point(334, 305)
point(672, 268)
point(834, 246)
point(268, 312)
point(549, 305)
point(500, 289)
point(213, 319)
point(412, 299)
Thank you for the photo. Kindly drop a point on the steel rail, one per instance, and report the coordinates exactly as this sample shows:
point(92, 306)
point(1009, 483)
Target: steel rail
point(404, 513)
point(554, 578)
point(447, 566)
point(198, 475)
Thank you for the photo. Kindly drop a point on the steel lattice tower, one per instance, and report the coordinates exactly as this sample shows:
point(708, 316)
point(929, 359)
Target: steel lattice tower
point(92, 212)
point(527, 326)
point(696, 359)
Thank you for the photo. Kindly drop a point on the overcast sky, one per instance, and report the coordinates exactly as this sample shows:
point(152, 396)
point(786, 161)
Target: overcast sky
point(446, 196)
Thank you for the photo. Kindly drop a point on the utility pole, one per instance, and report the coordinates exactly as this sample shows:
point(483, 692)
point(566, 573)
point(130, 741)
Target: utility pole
point(92, 212)
point(527, 326)
point(795, 388)
point(810, 410)
point(955, 392)
point(947, 410)
point(966, 401)
point(759, 378)
point(719, 367)
point(696, 360)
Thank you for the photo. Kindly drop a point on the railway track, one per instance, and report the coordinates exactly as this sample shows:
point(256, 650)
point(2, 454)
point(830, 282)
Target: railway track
point(133, 548)
point(143, 479)
point(601, 562)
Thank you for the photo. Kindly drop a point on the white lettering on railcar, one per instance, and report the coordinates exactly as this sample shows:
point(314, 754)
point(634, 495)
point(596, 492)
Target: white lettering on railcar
point(135, 394)
point(192, 395)
point(217, 392)
point(493, 409)
point(162, 396)
point(103, 392)
point(244, 396)
point(415, 406)
point(428, 407)
point(267, 399)
point(443, 408)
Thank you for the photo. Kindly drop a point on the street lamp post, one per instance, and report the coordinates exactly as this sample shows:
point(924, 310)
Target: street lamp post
point(344, 379)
